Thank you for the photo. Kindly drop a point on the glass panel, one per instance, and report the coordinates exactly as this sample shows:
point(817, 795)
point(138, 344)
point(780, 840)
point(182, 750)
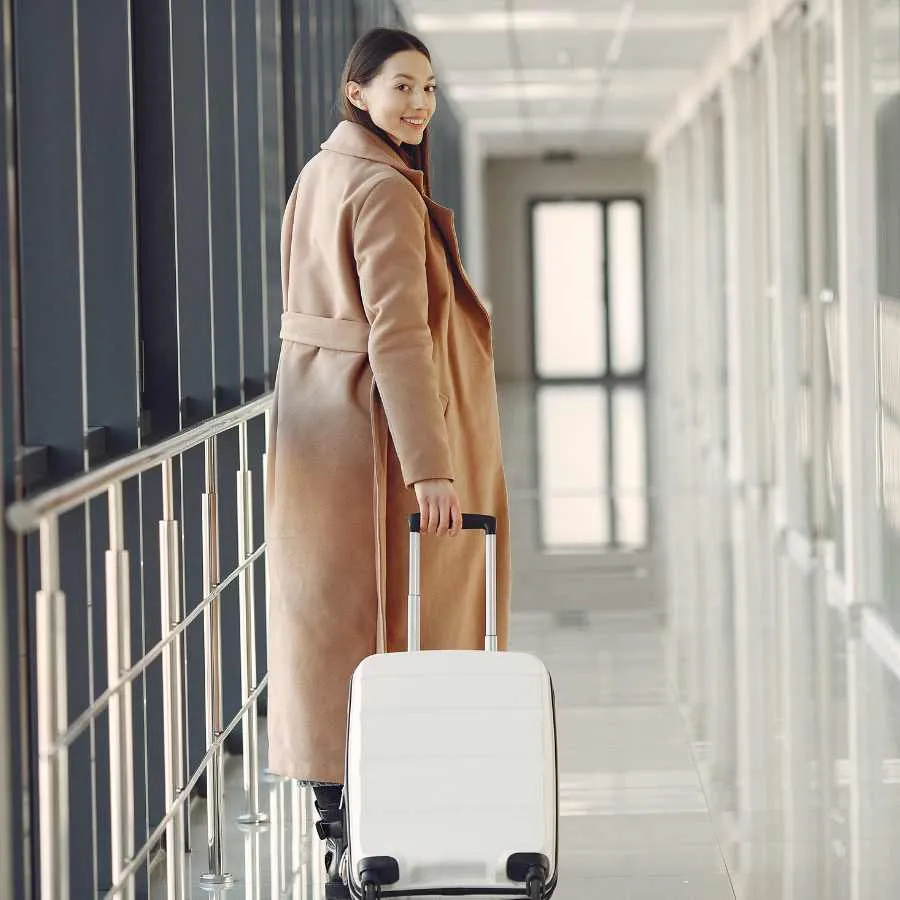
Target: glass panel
point(626, 287)
point(885, 79)
point(829, 297)
point(718, 270)
point(570, 332)
point(573, 460)
point(629, 445)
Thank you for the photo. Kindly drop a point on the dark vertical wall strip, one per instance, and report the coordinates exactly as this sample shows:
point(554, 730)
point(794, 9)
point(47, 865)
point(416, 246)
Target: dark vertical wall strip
point(327, 12)
point(291, 19)
point(194, 309)
point(158, 321)
point(9, 430)
point(223, 201)
point(49, 234)
point(249, 236)
point(277, 185)
point(313, 91)
point(227, 336)
point(158, 295)
point(104, 69)
point(109, 217)
point(192, 211)
point(52, 332)
point(304, 107)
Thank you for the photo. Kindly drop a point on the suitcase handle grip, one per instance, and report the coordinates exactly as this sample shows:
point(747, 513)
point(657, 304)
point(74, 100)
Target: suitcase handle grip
point(470, 522)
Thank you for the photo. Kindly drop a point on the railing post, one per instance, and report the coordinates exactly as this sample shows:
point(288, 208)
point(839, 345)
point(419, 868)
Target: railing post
point(212, 645)
point(118, 656)
point(250, 723)
point(53, 776)
point(173, 681)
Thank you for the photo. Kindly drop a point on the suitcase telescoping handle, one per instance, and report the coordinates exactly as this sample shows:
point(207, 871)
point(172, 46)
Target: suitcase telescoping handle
point(487, 524)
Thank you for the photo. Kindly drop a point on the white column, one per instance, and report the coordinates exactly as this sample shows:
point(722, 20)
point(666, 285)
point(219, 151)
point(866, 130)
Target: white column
point(784, 203)
point(862, 528)
point(747, 390)
point(474, 230)
point(858, 297)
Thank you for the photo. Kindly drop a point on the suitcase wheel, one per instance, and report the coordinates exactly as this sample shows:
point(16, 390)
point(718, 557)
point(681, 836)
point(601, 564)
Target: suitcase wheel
point(376, 871)
point(536, 889)
point(532, 868)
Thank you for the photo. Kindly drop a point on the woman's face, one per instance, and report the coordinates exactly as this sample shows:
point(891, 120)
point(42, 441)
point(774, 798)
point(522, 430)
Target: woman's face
point(401, 98)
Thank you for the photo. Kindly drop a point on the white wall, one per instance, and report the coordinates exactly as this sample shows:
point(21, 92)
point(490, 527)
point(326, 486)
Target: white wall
point(510, 183)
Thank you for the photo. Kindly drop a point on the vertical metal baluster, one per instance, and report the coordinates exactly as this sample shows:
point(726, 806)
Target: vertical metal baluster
point(118, 656)
point(283, 844)
point(173, 714)
point(52, 719)
point(296, 825)
point(212, 633)
point(250, 723)
point(276, 838)
point(265, 478)
point(252, 874)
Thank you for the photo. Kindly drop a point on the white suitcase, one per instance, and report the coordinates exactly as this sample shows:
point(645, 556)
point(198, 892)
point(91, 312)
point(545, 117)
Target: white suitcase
point(451, 768)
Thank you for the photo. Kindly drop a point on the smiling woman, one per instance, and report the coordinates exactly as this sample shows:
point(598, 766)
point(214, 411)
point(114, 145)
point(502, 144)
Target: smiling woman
point(385, 404)
point(389, 87)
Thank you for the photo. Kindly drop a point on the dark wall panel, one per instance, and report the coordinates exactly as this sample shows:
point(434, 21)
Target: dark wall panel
point(16, 606)
point(49, 229)
point(192, 230)
point(276, 188)
point(158, 291)
point(226, 261)
point(249, 250)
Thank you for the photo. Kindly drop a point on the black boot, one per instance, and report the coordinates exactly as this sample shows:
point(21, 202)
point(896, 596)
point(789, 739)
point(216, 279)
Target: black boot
point(330, 829)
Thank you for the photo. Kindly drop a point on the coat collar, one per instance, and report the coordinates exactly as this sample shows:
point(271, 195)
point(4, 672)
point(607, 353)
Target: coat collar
point(352, 139)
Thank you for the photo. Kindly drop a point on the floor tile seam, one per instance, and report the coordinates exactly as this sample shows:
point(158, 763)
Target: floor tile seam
point(673, 695)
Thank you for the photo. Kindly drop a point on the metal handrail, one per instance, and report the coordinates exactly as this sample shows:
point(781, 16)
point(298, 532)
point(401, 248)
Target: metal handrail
point(56, 733)
point(183, 795)
point(25, 516)
point(83, 722)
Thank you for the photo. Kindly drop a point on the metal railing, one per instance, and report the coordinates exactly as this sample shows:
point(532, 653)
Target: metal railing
point(56, 734)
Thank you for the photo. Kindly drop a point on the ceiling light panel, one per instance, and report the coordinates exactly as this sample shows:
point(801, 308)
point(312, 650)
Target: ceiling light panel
point(676, 7)
point(471, 51)
point(587, 49)
point(660, 49)
point(624, 80)
point(633, 90)
point(568, 20)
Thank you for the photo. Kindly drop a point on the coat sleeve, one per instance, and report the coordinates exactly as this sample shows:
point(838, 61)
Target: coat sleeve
point(389, 248)
point(287, 231)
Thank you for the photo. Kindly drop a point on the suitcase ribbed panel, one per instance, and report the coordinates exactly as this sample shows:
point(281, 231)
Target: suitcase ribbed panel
point(451, 766)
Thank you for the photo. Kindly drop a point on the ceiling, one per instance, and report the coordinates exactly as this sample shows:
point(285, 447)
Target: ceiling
point(532, 76)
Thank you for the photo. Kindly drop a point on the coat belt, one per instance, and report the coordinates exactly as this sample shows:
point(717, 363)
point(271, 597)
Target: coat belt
point(350, 335)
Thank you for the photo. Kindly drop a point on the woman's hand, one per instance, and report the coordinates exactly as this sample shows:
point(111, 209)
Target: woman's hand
point(439, 507)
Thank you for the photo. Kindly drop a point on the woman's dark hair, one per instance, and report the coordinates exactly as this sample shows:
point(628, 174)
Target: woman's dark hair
point(364, 62)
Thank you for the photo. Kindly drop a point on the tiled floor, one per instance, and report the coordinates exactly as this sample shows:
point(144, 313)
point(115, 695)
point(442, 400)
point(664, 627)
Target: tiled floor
point(663, 797)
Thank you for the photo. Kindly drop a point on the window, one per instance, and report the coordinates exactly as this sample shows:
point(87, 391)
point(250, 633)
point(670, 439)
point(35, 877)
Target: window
point(588, 286)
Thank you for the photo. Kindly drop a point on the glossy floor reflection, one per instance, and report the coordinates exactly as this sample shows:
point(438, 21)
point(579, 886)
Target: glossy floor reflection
point(737, 741)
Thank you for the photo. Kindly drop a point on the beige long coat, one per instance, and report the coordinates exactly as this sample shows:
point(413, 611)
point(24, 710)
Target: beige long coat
point(386, 377)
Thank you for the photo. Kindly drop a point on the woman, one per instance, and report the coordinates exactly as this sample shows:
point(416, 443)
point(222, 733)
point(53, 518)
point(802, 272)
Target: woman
point(385, 404)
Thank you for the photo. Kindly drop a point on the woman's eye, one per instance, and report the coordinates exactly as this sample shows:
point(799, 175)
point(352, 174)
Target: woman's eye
point(432, 88)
